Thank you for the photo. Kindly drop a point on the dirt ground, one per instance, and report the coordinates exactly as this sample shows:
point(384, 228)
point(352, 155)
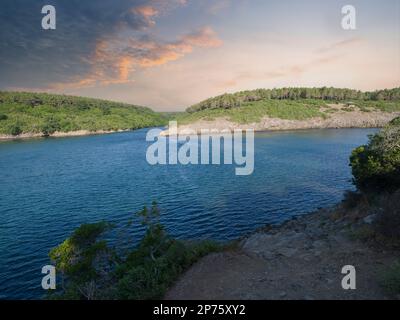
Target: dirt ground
point(302, 259)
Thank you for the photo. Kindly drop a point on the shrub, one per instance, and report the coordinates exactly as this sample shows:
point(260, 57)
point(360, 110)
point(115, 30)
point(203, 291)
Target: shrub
point(50, 126)
point(3, 117)
point(92, 270)
point(82, 259)
point(14, 130)
point(377, 164)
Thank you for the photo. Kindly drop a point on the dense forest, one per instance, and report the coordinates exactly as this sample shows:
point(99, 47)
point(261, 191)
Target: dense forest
point(227, 101)
point(25, 112)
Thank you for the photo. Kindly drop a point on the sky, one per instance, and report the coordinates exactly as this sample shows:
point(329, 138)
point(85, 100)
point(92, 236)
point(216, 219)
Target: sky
point(170, 54)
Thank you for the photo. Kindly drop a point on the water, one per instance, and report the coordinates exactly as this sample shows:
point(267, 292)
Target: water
point(49, 187)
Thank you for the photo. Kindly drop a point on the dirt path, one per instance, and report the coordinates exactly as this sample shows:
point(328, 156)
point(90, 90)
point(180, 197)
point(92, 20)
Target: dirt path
point(302, 259)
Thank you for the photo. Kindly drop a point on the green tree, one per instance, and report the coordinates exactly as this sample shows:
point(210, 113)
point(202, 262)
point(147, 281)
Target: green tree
point(377, 164)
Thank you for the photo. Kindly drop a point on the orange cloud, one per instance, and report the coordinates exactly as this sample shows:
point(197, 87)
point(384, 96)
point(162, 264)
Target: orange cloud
point(206, 37)
point(114, 60)
point(125, 65)
point(146, 11)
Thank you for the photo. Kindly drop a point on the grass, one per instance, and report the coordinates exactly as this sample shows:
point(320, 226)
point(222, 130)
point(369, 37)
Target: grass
point(24, 112)
point(291, 104)
point(283, 109)
point(256, 110)
point(384, 106)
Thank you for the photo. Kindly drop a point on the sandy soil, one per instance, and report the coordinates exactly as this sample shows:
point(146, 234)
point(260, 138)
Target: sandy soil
point(302, 259)
point(340, 119)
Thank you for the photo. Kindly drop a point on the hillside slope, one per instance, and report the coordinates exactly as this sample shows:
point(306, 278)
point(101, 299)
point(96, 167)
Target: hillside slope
point(25, 114)
point(293, 108)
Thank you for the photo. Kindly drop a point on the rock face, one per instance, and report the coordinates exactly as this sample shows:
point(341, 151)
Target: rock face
point(302, 259)
point(341, 119)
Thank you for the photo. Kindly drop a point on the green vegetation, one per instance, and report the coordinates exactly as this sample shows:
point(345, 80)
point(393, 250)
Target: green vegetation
point(376, 171)
point(255, 111)
point(91, 269)
point(290, 103)
point(228, 101)
point(377, 164)
point(23, 112)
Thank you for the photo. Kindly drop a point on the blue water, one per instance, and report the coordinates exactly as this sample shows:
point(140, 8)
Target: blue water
point(48, 187)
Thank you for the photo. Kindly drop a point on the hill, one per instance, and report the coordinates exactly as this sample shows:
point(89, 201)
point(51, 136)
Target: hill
point(293, 108)
point(41, 114)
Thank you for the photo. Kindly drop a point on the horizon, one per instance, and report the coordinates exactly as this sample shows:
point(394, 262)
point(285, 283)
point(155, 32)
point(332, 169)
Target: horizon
point(169, 55)
point(186, 107)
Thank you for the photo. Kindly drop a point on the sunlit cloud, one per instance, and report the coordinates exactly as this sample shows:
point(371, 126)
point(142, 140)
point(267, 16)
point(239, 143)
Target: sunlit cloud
point(147, 12)
point(114, 60)
point(170, 54)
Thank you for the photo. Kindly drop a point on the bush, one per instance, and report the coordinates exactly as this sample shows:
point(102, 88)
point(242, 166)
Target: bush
point(14, 130)
point(50, 126)
point(377, 165)
point(3, 117)
point(82, 260)
point(92, 270)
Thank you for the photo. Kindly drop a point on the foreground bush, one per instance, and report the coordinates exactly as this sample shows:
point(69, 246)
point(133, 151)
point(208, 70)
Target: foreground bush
point(377, 164)
point(91, 269)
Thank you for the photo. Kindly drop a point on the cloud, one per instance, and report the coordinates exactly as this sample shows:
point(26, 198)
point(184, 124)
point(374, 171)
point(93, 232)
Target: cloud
point(115, 59)
point(319, 57)
point(285, 71)
point(347, 43)
point(218, 6)
point(33, 57)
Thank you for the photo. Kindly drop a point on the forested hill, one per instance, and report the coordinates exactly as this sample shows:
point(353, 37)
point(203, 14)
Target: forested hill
point(227, 101)
point(45, 114)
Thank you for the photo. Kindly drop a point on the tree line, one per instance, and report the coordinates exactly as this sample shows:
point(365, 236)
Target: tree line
point(227, 101)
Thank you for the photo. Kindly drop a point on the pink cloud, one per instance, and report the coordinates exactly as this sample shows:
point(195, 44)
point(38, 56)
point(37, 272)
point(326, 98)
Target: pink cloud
point(114, 60)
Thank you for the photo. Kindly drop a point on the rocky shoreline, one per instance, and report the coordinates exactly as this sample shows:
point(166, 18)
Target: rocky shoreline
point(301, 260)
point(57, 134)
point(340, 119)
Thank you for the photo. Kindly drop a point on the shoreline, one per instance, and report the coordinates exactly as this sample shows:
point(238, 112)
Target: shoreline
point(57, 134)
point(343, 120)
point(346, 120)
point(300, 259)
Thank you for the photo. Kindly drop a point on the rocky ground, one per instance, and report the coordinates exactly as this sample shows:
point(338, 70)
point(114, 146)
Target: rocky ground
point(302, 259)
point(339, 119)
